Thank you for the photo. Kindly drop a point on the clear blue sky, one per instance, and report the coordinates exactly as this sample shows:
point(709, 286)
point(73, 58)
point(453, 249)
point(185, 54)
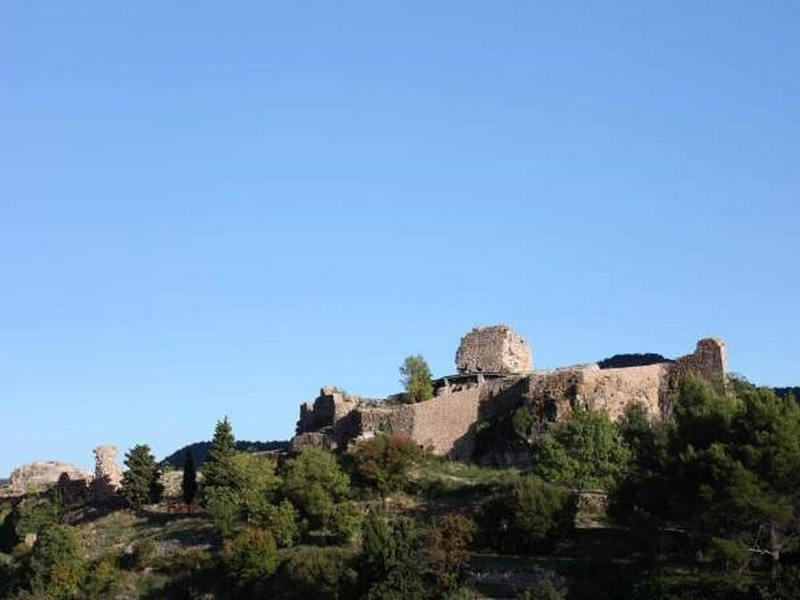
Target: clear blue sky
point(213, 209)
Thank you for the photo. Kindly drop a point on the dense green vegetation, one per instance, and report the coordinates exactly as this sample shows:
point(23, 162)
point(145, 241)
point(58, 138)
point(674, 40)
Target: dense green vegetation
point(703, 505)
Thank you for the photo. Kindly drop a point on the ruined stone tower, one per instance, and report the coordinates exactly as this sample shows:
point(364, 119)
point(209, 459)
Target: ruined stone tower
point(107, 474)
point(495, 349)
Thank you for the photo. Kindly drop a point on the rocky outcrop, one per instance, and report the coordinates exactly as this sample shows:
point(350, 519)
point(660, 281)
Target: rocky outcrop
point(40, 474)
point(495, 349)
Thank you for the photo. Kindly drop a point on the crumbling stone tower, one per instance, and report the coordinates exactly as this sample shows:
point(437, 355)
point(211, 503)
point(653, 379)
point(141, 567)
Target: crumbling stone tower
point(107, 474)
point(495, 349)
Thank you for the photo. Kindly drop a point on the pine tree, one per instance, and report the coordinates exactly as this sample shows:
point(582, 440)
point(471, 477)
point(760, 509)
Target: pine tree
point(141, 483)
point(189, 482)
point(217, 468)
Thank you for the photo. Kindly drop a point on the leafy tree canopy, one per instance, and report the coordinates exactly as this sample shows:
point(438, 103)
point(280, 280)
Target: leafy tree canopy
point(384, 461)
point(56, 567)
point(584, 452)
point(314, 483)
point(728, 471)
point(416, 379)
point(527, 515)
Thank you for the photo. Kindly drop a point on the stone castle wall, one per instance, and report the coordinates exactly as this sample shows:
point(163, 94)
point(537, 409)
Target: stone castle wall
point(446, 424)
point(709, 361)
point(441, 423)
point(612, 390)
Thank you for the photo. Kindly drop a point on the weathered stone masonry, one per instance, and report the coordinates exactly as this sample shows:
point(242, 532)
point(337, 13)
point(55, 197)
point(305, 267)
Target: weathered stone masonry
point(75, 485)
point(501, 379)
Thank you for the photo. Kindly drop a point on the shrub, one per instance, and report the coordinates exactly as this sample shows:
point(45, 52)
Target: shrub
point(314, 483)
point(391, 559)
point(383, 462)
point(345, 522)
point(250, 557)
point(223, 506)
point(282, 520)
point(447, 549)
point(143, 553)
point(56, 567)
point(587, 451)
point(35, 513)
point(103, 579)
point(527, 516)
point(314, 572)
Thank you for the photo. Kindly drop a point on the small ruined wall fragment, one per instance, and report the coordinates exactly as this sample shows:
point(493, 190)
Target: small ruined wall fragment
point(326, 410)
point(73, 492)
point(495, 349)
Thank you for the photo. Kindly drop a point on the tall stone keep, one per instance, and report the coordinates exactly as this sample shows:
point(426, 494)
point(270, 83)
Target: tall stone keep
point(495, 349)
point(107, 474)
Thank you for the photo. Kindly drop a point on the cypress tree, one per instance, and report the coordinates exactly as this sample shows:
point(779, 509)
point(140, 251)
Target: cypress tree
point(189, 482)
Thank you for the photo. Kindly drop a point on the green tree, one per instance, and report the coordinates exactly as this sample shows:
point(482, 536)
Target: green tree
point(323, 573)
point(282, 520)
point(384, 461)
point(391, 559)
point(141, 483)
point(527, 515)
point(645, 438)
point(253, 480)
point(314, 483)
point(448, 541)
point(189, 480)
point(56, 567)
point(416, 379)
point(217, 466)
point(250, 557)
point(223, 506)
point(250, 488)
point(728, 472)
point(103, 579)
point(36, 512)
point(586, 451)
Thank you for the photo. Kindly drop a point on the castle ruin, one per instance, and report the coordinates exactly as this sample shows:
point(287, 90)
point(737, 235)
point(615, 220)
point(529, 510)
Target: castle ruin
point(495, 376)
point(75, 485)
